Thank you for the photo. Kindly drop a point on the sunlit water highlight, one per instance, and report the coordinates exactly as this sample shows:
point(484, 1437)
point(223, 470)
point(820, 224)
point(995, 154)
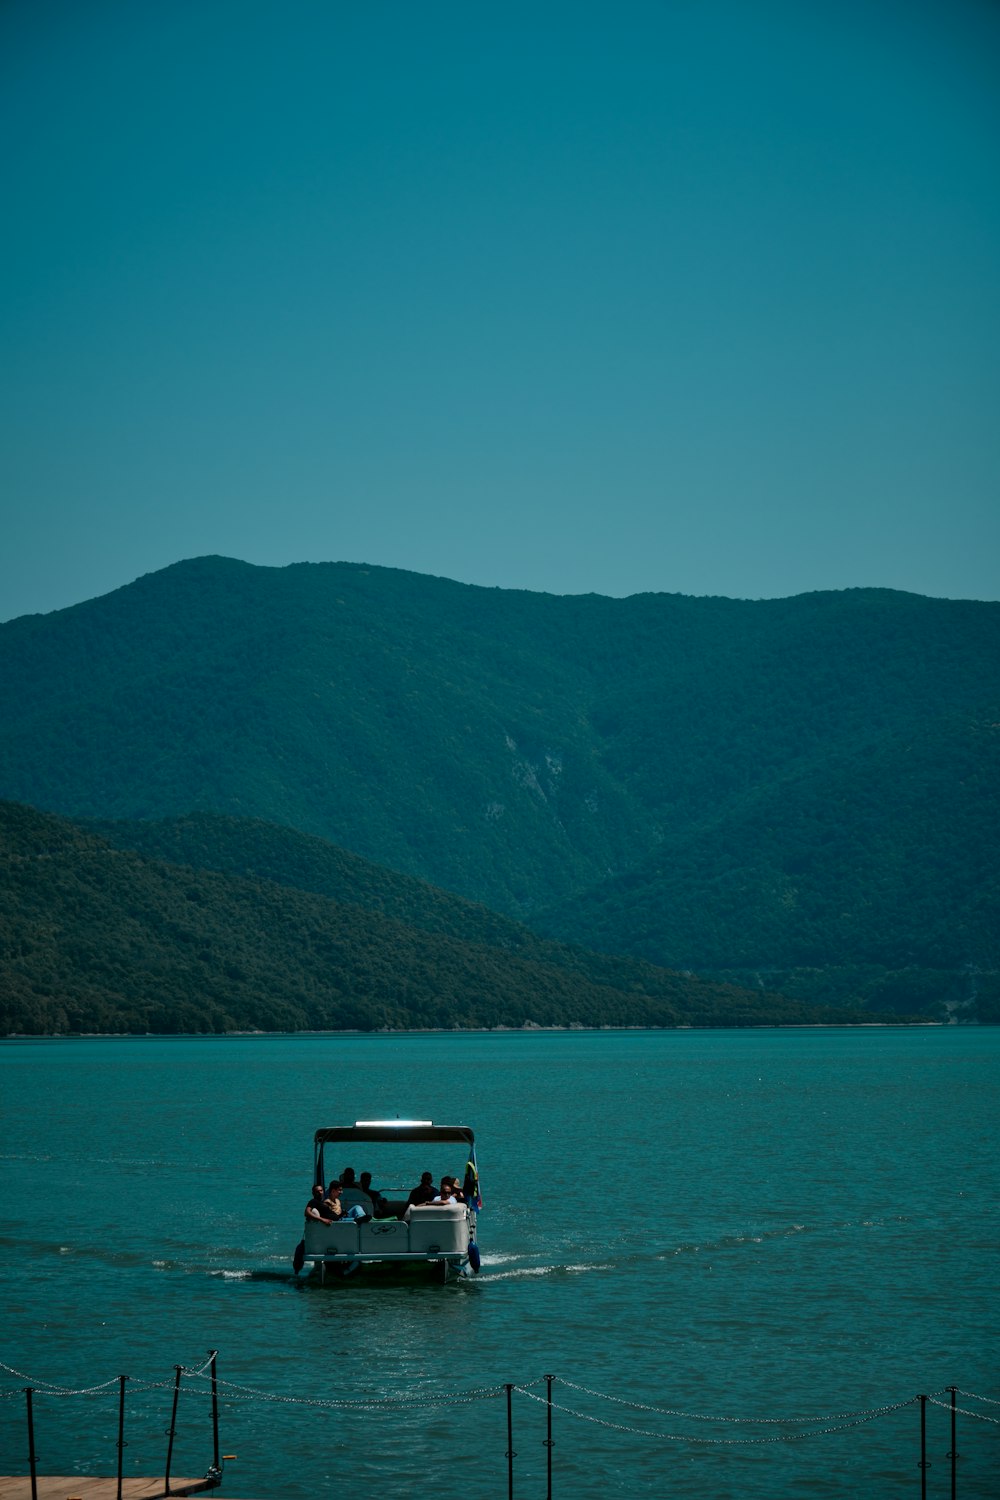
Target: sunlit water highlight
point(793, 1223)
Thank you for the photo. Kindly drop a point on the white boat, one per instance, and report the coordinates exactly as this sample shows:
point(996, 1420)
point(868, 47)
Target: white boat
point(439, 1238)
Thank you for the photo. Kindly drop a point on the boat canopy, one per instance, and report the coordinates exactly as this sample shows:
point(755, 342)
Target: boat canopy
point(409, 1131)
point(403, 1132)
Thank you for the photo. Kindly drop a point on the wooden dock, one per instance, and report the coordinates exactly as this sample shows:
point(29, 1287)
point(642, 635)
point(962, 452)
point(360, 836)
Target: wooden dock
point(77, 1487)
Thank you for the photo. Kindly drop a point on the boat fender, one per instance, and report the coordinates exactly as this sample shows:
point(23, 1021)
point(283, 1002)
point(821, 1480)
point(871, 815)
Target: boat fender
point(299, 1258)
point(474, 1260)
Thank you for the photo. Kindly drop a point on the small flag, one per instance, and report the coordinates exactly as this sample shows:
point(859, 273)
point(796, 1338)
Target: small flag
point(470, 1187)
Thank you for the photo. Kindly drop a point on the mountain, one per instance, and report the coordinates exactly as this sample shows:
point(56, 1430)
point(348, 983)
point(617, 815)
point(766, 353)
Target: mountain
point(99, 938)
point(877, 879)
point(437, 729)
point(257, 850)
point(796, 787)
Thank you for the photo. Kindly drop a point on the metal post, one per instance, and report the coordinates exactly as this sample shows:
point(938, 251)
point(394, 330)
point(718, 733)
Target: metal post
point(923, 1465)
point(511, 1455)
point(213, 1356)
point(32, 1456)
point(172, 1429)
point(121, 1430)
point(548, 1436)
point(953, 1453)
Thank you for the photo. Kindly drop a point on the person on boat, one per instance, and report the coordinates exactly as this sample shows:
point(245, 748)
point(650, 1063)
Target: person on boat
point(316, 1205)
point(423, 1192)
point(380, 1204)
point(338, 1213)
point(446, 1192)
point(457, 1193)
point(354, 1192)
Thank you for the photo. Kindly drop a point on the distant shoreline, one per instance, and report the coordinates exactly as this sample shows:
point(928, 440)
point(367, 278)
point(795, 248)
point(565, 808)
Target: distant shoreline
point(217, 1036)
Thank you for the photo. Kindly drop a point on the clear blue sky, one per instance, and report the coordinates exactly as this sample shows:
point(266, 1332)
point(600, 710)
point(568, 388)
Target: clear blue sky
point(698, 295)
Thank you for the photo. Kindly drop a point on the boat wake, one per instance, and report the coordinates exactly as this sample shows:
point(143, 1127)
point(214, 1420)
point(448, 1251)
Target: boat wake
point(518, 1273)
point(510, 1267)
point(497, 1266)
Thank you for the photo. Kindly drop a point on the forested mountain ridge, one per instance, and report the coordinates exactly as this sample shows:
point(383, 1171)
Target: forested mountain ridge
point(258, 850)
point(658, 775)
point(885, 889)
point(99, 938)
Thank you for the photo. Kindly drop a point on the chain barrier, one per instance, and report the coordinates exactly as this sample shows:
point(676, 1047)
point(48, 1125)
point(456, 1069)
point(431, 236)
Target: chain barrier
point(234, 1391)
point(49, 1388)
point(376, 1403)
point(675, 1437)
point(419, 1404)
point(697, 1416)
point(979, 1415)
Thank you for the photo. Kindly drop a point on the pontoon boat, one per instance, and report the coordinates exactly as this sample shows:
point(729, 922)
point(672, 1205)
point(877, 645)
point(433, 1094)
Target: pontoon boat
point(440, 1237)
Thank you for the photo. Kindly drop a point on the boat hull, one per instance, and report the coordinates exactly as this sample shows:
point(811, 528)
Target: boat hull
point(433, 1236)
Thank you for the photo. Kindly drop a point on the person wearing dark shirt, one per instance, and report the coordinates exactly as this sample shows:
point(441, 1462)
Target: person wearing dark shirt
point(316, 1207)
point(423, 1192)
point(379, 1203)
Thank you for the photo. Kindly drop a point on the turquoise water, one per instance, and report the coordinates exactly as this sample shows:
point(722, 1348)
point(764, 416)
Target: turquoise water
point(765, 1223)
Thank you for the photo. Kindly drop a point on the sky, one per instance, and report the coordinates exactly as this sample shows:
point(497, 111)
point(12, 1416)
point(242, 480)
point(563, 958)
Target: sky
point(696, 296)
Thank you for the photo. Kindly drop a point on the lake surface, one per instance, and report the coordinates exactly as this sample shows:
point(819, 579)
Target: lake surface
point(763, 1224)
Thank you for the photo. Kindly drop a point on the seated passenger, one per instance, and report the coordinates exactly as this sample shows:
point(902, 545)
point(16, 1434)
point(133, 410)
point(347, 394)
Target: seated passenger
point(316, 1208)
point(456, 1190)
point(355, 1198)
point(353, 1194)
point(446, 1193)
point(380, 1204)
point(339, 1214)
point(423, 1192)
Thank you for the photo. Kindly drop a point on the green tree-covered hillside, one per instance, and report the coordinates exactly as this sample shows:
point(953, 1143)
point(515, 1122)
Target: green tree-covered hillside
point(724, 784)
point(96, 938)
point(883, 889)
